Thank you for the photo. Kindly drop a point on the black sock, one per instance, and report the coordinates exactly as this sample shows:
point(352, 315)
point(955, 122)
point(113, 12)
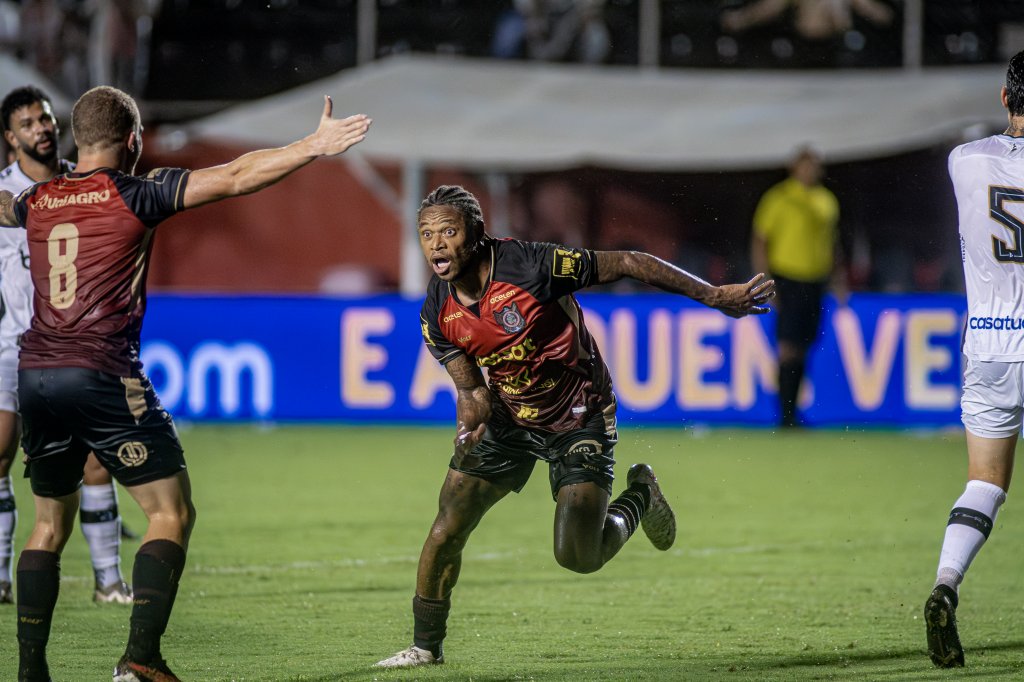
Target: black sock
point(630, 505)
point(158, 566)
point(791, 374)
point(38, 586)
point(430, 623)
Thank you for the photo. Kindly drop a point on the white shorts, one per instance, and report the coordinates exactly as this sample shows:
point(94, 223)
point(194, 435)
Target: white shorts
point(8, 378)
point(993, 398)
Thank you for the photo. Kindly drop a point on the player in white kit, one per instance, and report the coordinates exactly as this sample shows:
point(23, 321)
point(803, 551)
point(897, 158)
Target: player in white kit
point(30, 129)
point(988, 179)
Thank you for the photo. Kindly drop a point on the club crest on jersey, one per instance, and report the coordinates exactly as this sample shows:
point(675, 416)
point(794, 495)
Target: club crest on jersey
point(510, 319)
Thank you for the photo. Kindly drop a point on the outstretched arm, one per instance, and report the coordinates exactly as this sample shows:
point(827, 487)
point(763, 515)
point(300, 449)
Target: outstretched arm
point(472, 405)
point(735, 300)
point(753, 14)
point(254, 171)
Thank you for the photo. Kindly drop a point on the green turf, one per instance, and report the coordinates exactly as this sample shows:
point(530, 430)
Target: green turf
point(802, 556)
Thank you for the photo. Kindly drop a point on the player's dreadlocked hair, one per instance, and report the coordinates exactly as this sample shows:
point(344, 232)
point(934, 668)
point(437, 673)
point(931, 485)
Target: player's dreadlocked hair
point(463, 201)
point(1015, 85)
point(24, 96)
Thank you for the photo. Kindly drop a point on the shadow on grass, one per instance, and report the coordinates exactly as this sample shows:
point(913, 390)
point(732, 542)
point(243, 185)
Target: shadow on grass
point(833, 665)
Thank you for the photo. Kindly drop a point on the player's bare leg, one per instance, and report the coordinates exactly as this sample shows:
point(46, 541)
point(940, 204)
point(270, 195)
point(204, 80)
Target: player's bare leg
point(159, 561)
point(101, 526)
point(39, 582)
point(463, 502)
point(8, 510)
point(589, 531)
point(989, 469)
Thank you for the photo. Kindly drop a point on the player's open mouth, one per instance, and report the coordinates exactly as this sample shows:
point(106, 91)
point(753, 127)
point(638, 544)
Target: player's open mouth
point(441, 265)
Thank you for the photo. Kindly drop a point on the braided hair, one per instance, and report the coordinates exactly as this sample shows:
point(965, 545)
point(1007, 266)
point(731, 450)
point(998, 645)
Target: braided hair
point(463, 201)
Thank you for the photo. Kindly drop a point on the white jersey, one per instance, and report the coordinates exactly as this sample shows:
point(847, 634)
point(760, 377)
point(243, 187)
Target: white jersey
point(988, 178)
point(15, 279)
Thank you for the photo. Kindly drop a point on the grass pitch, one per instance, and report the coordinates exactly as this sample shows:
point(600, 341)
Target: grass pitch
point(803, 556)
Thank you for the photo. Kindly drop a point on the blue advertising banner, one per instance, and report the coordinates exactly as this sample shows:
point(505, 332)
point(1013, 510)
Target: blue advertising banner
point(884, 359)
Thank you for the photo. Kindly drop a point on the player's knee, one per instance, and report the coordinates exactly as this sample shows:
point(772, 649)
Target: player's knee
point(444, 538)
point(50, 535)
point(189, 518)
point(578, 563)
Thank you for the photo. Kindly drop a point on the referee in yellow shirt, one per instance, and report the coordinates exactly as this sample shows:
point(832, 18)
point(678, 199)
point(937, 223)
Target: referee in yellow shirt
point(795, 238)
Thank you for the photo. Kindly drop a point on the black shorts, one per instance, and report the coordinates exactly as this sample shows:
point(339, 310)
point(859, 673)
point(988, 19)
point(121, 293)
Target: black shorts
point(68, 412)
point(797, 310)
point(507, 453)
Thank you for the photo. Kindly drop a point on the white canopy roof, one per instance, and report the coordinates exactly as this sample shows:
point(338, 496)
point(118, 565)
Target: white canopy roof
point(14, 74)
point(491, 115)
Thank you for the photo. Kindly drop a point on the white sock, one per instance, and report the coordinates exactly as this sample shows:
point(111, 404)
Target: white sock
point(970, 523)
point(8, 521)
point(101, 526)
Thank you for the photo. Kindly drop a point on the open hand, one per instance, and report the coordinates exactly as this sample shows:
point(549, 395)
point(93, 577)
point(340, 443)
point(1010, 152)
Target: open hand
point(336, 135)
point(738, 300)
point(465, 441)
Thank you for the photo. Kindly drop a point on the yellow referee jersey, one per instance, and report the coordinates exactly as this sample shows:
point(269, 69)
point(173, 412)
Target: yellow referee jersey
point(798, 224)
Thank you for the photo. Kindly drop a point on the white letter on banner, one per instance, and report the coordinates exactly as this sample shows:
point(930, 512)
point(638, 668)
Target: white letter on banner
point(921, 358)
point(359, 357)
point(428, 379)
point(230, 362)
point(753, 362)
point(697, 359)
point(634, 393)
point(867, 375)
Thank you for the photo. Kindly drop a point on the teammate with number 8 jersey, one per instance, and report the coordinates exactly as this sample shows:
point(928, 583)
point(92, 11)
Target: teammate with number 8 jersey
point(80, 381)
point(95, 232)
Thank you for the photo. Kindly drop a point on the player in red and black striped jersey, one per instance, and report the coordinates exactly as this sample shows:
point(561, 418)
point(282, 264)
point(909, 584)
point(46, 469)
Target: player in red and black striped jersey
point(80, 382)
point(508, 306)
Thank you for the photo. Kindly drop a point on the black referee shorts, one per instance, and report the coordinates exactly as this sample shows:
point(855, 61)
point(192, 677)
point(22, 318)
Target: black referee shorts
point(797, 310)
point(69, 411)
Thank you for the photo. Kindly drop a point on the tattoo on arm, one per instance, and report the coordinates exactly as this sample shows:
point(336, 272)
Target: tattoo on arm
point(614, 265)
point(7, 217)
point(473, 405)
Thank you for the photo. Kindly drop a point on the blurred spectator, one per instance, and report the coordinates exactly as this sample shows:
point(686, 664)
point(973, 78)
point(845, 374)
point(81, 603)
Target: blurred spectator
point(795, 239)
point(10, 26)
point(814, 20)
point(73, 76)
point(553, 30)
point(41, 23)
point(118, 43)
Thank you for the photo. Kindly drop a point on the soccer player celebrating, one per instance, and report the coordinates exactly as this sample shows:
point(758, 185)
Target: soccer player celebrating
point(508, 306)
point(80, 382)
point(988, 179)
point(30, 129)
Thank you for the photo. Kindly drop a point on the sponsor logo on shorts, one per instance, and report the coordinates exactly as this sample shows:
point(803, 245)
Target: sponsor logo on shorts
point(132, 453)
point(998, 323)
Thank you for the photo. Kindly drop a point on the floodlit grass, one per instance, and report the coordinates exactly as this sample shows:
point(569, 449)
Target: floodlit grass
point(802, 556)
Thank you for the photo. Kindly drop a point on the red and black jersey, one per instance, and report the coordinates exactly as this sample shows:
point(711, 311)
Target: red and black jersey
point(90, 236)
point(528, 332)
